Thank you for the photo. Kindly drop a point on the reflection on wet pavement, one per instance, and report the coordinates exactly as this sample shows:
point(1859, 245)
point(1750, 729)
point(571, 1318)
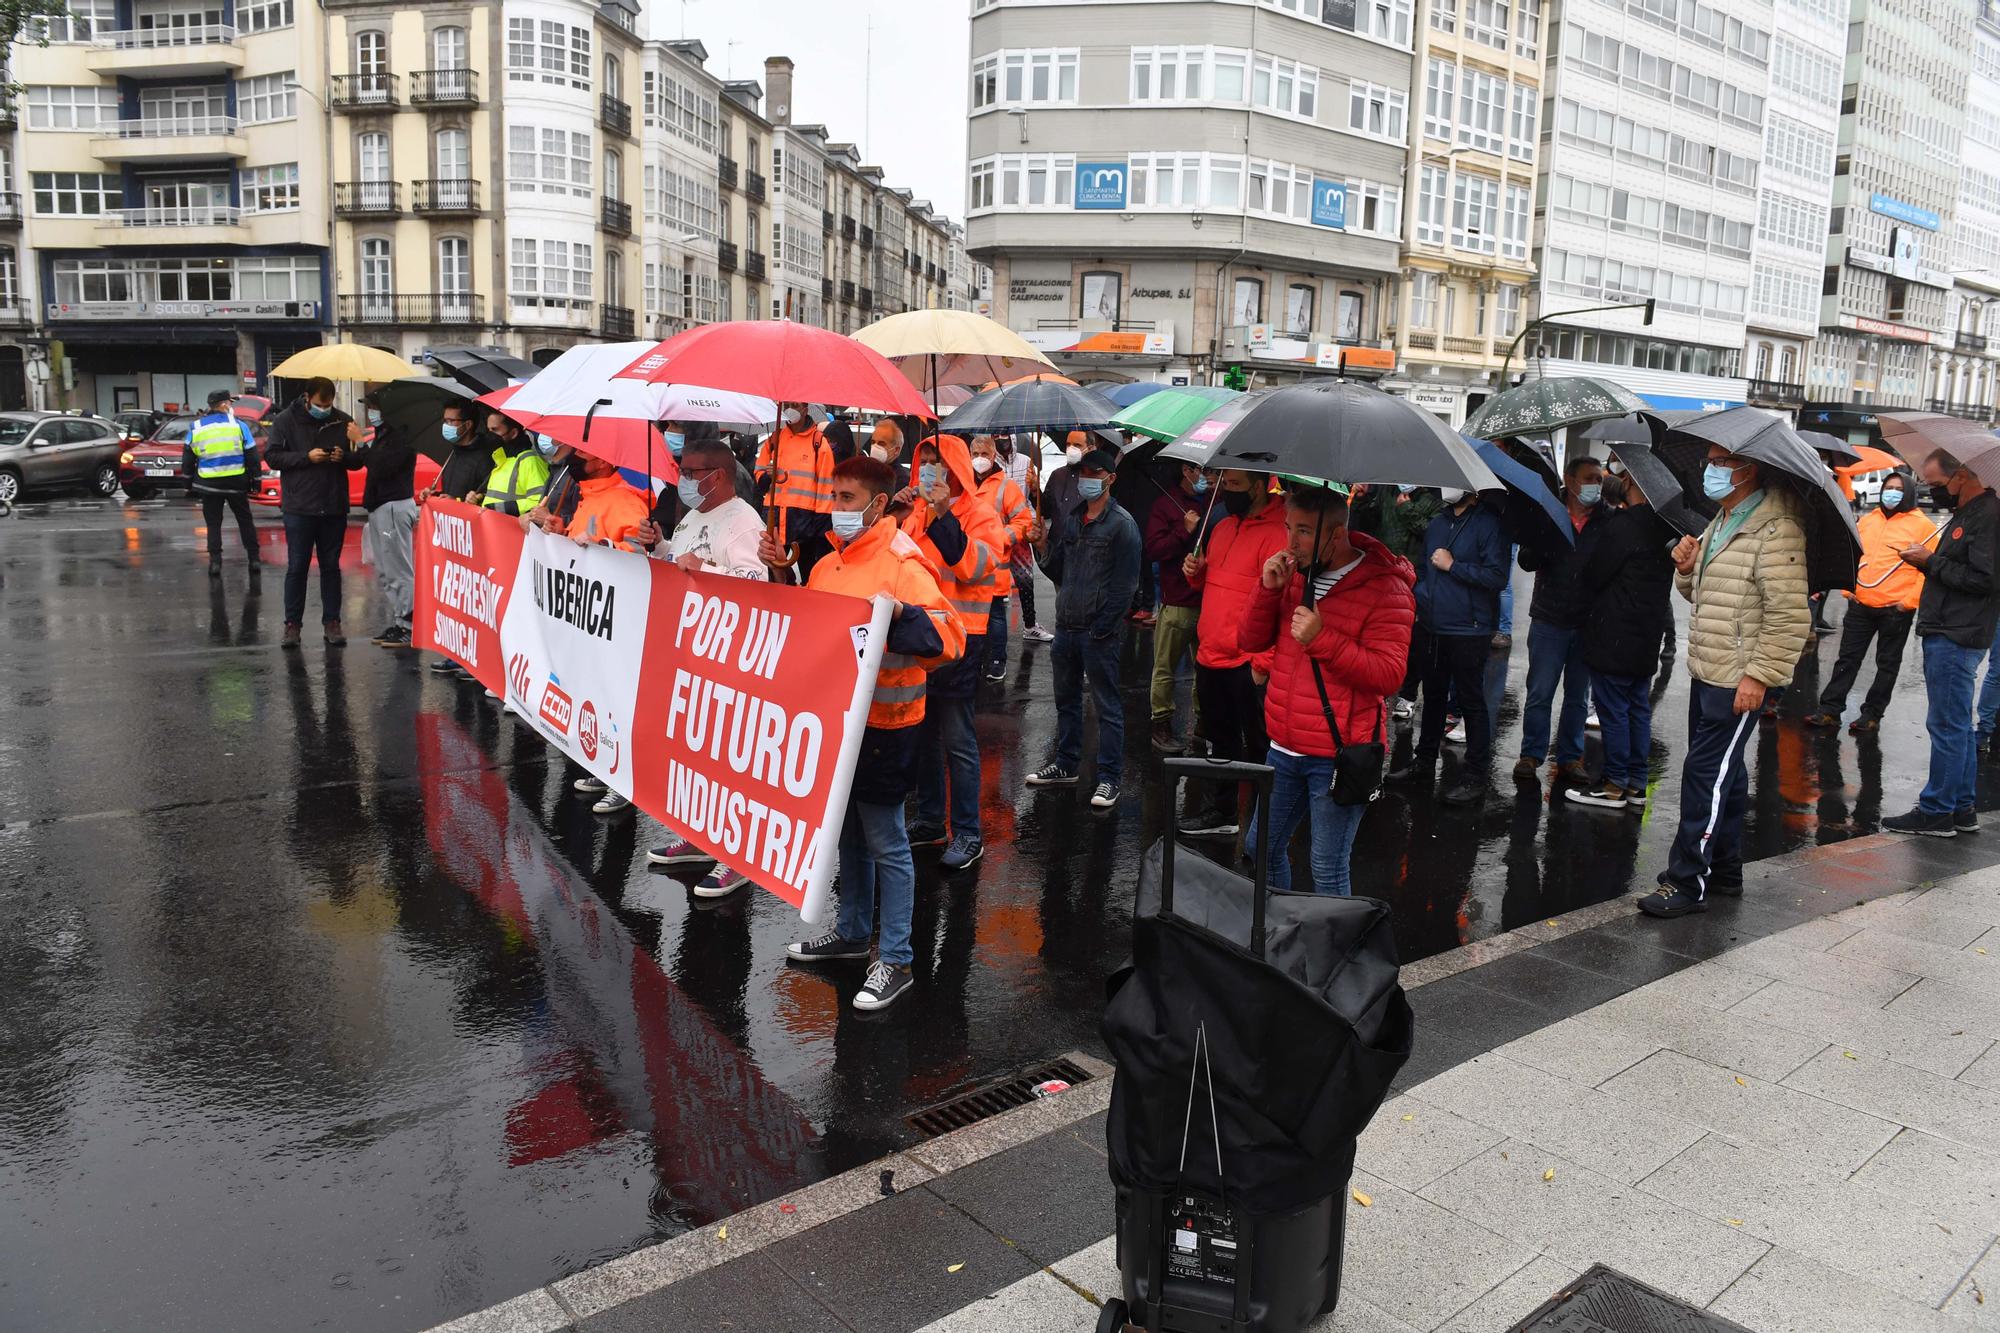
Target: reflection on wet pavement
point(329, 1004)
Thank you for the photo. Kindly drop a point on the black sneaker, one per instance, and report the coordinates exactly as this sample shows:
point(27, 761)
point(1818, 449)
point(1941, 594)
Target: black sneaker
point(1603, 795)
point(885, 986)
point(1916, 821)
point(393, 637)
point(927, 835)
point(1105, 796)
point(1465, 791)
point(1965, 821)
point(828, 948)
point(1209, 824)
point(1416, 773)
point(1051, 775)
point(1671, 900)
point(444, 666)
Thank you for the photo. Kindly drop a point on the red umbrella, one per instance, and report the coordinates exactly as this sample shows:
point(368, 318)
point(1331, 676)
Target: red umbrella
point(782, 361)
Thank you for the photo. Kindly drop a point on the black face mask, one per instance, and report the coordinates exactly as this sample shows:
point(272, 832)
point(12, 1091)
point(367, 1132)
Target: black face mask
point(1237, 503)
point(1941, 497)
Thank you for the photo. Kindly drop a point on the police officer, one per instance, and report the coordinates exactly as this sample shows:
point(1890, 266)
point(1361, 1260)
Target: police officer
point(222, 463)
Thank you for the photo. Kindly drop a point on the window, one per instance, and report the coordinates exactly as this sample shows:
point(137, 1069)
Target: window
point(547, 51)
point(263, 15)
point(1164, 180)
point(1376, 111)
point(1790, 145)
point(1284, 86)
point(454, 274)
point(980, 194)
point(1374, 209)
point(520, 49)
point(84, 21)
point(1385, 21)
point(614, 79)
point(1171, 73)
point(1423, 300)
point(371, 66)
point(371, 154)
point(614, 175)
point(94, 281)
point(1440, 85)
point(1023, 180)
point(273, 189)
point(76, 193)
point(268, 97)
point(1225, 182)
point(1475, 213)
point(277, 278)
point(1281, 190)
point(449, 49)
point(548, 160)
point(1487, 22)
point(1433, 190)
point(1444, 15)
point(985, 82)
point(1299, 309)
point(1248, 305)
point(1100, 296)
point(1231, 78)
point(1029, 76)
point(1347, 324)
point(1527, 27)
point(1521, 123)
point(1482, 110)
point(60, 108)
point(378, 273)
point(1507, 311)
point(523, 273)
point(1514, 226)
point(453, 151)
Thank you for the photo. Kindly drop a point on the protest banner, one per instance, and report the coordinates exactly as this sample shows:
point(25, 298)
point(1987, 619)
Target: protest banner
point(730, 709)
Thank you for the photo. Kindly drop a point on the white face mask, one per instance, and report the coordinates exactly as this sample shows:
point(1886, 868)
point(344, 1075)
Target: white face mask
point(792, 417)
point(1451, 495)
point(879, 452)
point(1074, 454)
point(981, 464)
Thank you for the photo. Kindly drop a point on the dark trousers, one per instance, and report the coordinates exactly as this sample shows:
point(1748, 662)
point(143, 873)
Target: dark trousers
point(1231, 704)
point(1024, 588)
point(947, 748)
point(1715, 788)
point(1455, 664)
point(212, 503)
point(1889, 627)
point(1625, 714)
point(310, 536)
point(1077, 657)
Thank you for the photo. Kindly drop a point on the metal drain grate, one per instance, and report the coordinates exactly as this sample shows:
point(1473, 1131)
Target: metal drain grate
point(991, 1100)
point(1604, 1301)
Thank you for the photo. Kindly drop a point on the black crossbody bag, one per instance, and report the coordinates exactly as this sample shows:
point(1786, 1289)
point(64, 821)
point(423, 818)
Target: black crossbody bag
point(1357, 769)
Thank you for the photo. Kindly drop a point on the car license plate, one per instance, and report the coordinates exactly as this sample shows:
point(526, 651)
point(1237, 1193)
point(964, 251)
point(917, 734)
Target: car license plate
point(159, 472)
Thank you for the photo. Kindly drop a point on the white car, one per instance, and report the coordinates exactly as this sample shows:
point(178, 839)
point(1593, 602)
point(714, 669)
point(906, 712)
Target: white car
point(1868, 489)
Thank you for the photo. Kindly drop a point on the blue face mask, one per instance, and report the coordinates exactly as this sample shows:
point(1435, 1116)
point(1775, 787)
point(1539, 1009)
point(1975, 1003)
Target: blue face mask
point(675, 441)
point(1200, 485)
point(1405, 487)
point(690, 492)
point(847, 523)
point(1589, 494)
point(1090, 487)
point(1717, 480)
point(930, 474)
point(319, 413)
point(450, 429)
point(374, 416)
point(1892, 500)
point(545, 445)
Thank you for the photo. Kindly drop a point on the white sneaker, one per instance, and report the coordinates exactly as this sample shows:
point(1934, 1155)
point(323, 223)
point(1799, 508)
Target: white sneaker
point(720, 883)
point(1036, 634)
point(589, 786)
point(1403, 710)
point(1456, 735)
point(1590, 720)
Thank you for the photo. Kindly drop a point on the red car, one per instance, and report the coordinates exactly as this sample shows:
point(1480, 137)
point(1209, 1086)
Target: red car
point(153, 465)
point(270, 487)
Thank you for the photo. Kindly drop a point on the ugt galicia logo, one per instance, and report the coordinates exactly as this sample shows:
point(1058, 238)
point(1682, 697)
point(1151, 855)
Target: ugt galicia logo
point(586, 730)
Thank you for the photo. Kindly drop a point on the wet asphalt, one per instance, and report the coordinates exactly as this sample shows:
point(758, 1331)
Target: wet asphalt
point(326, 1003)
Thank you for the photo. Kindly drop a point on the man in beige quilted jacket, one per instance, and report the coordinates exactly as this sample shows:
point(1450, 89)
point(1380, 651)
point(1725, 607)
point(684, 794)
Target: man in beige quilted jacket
point(1746, 576)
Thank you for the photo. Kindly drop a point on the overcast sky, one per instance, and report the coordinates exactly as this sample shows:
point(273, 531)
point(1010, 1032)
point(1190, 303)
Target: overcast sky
point(914, 108)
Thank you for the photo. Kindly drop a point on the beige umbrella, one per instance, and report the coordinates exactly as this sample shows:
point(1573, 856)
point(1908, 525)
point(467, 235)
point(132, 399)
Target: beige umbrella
point(345, 361)
point(1918, 435)
point(938, 347)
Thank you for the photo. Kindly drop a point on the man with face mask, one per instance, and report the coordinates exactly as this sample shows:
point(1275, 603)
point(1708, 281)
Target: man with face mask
point(1018, 459)
point(885, 445)
point(386, 541)
point(312, 445)
point(520, 475)
point(1883, 605)
point(795, 476)
point(870, 556)
point(1180, 520)
point(1746, 578)
point(1555, 641)
point(998, 491)
point(1957, 613)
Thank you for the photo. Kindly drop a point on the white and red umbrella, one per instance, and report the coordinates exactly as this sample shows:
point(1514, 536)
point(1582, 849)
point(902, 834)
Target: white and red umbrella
point(782, 361)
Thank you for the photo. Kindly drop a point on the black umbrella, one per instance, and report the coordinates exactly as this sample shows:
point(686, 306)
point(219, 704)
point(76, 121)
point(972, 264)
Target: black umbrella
point(1538, 406)
point(1836, 451)
point(1027, 405)
point(1338, 431)
point(481, 368)
point(414, 409)
point(1833, 547)
point(1660, 487)
point(1614, 431)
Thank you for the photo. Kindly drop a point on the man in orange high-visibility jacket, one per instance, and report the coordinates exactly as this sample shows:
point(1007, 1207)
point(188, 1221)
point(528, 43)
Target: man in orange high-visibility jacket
point(608, 511)
point(963, 539)
point(869, 556)
point(1017, 516)
point(795, 477)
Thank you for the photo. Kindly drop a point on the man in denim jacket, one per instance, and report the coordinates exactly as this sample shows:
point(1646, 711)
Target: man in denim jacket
point(1092, 555)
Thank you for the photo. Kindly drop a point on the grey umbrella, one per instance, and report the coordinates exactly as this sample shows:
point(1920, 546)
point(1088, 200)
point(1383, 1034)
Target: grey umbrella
point(1027, 405)
point(1659, 485)
point(1833, 547)
point(1338, 431)
point(484, 369)
point(1540, 406)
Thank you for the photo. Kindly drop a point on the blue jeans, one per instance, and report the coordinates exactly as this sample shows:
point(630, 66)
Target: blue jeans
point(1507, 593)
point(1625, 715)
point(875, 859)
point(309, 537)
point(1989, 690)
point(1077, 657)
point(948, 755)
point(1555, 656)
point(1300, 784)
point(996, 633)
point(1948, 673)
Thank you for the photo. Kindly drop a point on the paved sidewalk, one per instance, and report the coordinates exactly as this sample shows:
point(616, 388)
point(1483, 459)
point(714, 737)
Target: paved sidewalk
point(1786, 1111)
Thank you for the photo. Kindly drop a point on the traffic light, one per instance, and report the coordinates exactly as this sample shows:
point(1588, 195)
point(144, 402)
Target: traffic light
point(1234, 377)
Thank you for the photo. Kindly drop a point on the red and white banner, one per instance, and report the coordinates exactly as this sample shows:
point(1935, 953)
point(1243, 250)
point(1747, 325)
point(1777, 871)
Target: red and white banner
point(730, 709)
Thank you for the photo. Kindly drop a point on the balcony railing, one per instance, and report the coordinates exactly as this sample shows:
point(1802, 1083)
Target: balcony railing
point(725, 171)
point(915, 262)
point(174, 127)
point(367, 198)
point(1423, 341)
point(725, 256)
point(616, 216)
point(14, 312)
point(754, 186)
point(144, 39)
point(188, 215)
point(753, 264)
point(867, 238)
point(444, 87)
point(1776, 393)
point(614, 115)
point(362, 92)
point(1970, 342)
point(413, 308)
point(618, 322)
point(10, 207)
point(446, 196)
point(1970, 411)
point(848, 228)
point(1462, 346)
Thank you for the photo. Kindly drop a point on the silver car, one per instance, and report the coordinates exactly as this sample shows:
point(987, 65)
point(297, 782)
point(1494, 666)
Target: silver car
point(43, 451)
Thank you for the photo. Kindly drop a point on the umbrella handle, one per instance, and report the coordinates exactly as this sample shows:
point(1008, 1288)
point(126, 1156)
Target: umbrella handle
point(775, 525)
point(1214, 490)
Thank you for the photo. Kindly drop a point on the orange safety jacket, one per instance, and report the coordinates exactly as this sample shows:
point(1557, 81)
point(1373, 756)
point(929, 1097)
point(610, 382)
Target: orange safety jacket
point(608, 511)
point(798, 465)
point(1016, 515)
point(968, 582)
point(884, 560)
point(1884, 579)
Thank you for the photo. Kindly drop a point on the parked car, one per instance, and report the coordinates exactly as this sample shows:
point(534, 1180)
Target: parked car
point(153, 465)
point(44, 451)
point(138, 423)
point(271, 487)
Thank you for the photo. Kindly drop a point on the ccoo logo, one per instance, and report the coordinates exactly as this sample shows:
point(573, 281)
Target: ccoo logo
point(556, 707)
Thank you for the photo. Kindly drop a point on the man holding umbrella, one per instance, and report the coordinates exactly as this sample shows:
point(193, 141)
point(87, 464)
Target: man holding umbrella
point(312, 444)
point(1746, 578)
point(1555, 639)
point(795, 475)
point(1956, 617)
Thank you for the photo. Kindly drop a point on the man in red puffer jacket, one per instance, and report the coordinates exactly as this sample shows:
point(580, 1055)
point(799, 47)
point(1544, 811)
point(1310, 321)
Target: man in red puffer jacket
point(1229, 683)
point(1354, 625)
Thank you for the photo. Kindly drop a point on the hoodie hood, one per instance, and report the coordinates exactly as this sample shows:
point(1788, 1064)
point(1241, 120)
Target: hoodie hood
point(956, 456)
point(1909, 484)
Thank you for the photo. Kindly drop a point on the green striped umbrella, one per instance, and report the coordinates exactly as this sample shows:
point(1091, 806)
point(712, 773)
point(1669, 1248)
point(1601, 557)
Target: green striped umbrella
point(1166, 415)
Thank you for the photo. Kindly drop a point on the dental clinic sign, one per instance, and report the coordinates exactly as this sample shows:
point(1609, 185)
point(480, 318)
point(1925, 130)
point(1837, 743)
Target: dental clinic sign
point(1329, 205)
point(1100, 184)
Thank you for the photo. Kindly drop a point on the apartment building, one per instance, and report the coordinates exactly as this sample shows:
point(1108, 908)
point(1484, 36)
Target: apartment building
point(1466, 240)
point(164, 223)
point(681, 145)
point(1164, 190)
point(1964, 375)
